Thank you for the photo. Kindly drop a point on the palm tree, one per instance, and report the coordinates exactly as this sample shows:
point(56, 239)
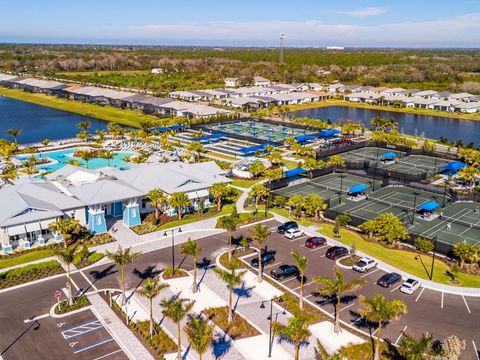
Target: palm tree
point(101, 134)
point(15, 133)
point(122, 257)
point(157, 199)
point(200, 334)
point(84, 125)
point(29, 169)
point(45, 142)
point(67, 228)
point(9, 173)
point(219, 191)
point(150, 290)
point(259, 191)
point(260, 234)
point(179, 201)
point(465, 252)
point(85, 155)
point(232, 278)
point(107, 155)
point(378, 309)
point(337, 287)
point(295, 330)
point(191, 248)
point(412, 349)
point(176, 309)
point(229, 223)
point(301, 262)
point(67, 256)
point(197, 148)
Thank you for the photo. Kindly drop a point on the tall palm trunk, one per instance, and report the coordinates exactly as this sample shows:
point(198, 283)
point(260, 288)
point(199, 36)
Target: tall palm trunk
point(230, 248)
point(70, 296)
point(219, 204)
point(259, 278)
point(230, 312)
point(297, 351)
point(179, 344)
point(194, 286)
point(150, 300)
point(377, 345)
point(301, 292)
point(124, 297)
point(336, 329)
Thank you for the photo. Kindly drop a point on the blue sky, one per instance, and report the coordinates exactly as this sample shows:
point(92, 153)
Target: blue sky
point(405, 23)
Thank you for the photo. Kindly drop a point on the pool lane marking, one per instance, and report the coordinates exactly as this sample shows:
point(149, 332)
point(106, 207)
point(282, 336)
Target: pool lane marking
point(93, 345)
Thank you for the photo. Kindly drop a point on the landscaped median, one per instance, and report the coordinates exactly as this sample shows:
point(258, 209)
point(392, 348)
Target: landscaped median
point(408, 261)
point(29, 273)
point(24, 258)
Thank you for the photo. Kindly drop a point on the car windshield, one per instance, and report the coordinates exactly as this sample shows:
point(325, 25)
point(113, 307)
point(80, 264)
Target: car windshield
point(407, 285)
point(361, 263)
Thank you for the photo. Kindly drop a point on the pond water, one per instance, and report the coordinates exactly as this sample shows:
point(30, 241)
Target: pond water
point(432, 127)
point(39, 122)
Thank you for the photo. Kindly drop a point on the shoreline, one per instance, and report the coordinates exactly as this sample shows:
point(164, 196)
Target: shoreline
point(126, 117)
point(424, 112)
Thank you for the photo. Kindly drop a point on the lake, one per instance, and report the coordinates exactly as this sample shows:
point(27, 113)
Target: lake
point(40, 122)
point(412, 124)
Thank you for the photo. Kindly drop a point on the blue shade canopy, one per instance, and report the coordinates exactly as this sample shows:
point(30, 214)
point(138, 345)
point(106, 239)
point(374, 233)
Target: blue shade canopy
point(359, 188)
point(328, 133)
point(253, 149)
point(454, 166)
point(389, 155)
point(304, 138)
point(429, 206)
point(212, 137)
point(170, 128)
point(295, 172)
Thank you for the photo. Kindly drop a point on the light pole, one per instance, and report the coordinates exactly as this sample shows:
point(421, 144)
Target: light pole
point(341, 188)
point(270, 318)
point(434, 255)
point(415, 194)
point(173, 245)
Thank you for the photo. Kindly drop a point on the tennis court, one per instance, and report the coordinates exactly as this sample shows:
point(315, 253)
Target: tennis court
point(464, 220)
point(368, 154)
point(260, 130)
point(326, 186)
point(397, 200)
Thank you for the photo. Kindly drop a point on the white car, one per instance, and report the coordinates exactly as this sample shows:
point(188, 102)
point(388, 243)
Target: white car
point(364, 264)
point(293, 233)
point(410, 286)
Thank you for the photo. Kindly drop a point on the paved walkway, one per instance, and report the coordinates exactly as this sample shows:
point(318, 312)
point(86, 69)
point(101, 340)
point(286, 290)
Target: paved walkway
point(120, 332)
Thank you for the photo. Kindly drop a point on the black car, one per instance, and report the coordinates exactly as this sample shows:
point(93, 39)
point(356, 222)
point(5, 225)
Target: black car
point(284, 271)
point(287, 226)
point(336, 252)
point(389, 279)
point(267, 258)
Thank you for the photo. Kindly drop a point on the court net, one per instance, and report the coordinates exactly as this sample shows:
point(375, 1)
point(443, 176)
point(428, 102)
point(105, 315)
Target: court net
point(460, 222)
point(325, 187)
point(390, 204)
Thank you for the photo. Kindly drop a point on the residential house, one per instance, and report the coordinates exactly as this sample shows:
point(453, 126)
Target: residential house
point(232, 82)
point(261, 81)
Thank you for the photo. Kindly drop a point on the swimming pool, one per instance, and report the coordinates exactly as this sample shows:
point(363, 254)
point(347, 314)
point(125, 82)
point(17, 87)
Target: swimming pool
point(62, 157)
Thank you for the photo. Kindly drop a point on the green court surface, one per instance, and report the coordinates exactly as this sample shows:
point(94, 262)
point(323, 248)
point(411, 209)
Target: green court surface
point(326, 186)
point(411, 164)
point(260, 130)
point(397, 200)
point(464, 220)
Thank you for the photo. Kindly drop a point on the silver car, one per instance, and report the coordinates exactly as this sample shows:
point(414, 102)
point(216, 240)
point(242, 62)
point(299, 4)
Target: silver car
point(410, 286)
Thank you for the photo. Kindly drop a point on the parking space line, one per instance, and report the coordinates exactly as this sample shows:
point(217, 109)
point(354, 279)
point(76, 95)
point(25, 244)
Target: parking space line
point(318, 248)
point(401, 334)
point(369, 273)
point(476, 351)
point(353, 322)
point(284, 281)
point(326, 301)
point(346, 307)
point(304, 285)
point(82, 325)
point(93, 345)
point(441, 305)
point(271, 265)
point(466, 304)
point(297, 238)
point(421, 292)
point(106, 355)
point(395, 288)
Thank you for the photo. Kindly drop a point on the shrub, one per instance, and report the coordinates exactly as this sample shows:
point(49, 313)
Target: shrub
point(79, 303)
point(29, 273)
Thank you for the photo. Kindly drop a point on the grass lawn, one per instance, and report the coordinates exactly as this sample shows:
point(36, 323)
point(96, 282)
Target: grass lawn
point(284, 213)
point(245, 183)
point(126, 117)
point(222, 156)
point(401, 259)
point(23, 259)
point(238, 329)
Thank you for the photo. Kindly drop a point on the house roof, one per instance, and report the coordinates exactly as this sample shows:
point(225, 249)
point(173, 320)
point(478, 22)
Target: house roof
point(104, 191)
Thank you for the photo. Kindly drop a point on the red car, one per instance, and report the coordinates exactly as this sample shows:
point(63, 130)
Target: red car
point(315, 241)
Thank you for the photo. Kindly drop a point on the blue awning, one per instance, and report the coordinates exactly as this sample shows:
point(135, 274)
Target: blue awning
point(170, 128)
point(328, 133)
point(454, 166)
point(207, 138)
point(304, 138)
point(295, 172)
point(253, 149)
point(389, 155)
point(429, 206)
point(359, 188)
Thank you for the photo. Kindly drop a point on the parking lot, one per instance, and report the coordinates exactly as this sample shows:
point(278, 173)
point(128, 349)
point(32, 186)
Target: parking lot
point(442, 314)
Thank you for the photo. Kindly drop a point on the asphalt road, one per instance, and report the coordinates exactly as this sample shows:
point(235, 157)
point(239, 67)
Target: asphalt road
point(440, 314)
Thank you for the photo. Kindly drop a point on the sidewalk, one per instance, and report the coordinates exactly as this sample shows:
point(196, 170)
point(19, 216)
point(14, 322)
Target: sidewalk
point(474, 292)
point(120, 332)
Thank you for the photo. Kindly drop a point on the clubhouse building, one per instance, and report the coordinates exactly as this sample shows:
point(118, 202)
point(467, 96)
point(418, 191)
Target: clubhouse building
point(96, 198)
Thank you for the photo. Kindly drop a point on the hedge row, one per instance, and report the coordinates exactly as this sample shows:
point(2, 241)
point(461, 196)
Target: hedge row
point(29, 273)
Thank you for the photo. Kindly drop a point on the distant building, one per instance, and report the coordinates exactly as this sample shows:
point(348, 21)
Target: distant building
point(261, 81)
point(158, 71)
point(335, 48)
point(231, 82)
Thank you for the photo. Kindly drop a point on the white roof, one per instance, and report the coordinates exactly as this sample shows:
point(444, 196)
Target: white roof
point(6, 77)
point(45, 84)
point(426, 93)
point(96, 91)
point(470, 105)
